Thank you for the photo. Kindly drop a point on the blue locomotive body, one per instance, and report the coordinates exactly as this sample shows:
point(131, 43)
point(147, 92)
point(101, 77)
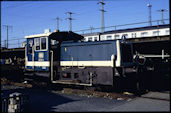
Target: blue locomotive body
point(99, 53)
point(76, 62)
point(88, 63)
point(88, 51)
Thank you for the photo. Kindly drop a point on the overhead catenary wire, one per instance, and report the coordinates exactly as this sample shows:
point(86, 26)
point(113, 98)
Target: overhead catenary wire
point(16, 5)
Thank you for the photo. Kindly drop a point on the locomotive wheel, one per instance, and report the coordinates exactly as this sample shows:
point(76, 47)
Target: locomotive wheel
point(140, 87)
point(138, 91)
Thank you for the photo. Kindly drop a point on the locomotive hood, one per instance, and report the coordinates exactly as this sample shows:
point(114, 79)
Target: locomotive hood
point(65, 36)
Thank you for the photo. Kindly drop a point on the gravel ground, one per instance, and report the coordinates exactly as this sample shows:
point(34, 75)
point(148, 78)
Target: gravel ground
point(143, 105)
point(43, 100)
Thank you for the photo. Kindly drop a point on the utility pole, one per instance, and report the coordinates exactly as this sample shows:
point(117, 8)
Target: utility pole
point(18, 43)
point(70, 22)
point(7, 27)
point(5, 43)
point(57, 23)
point(91, 29)
point(102, 15)
point(82, 31)
point(149, 8)
point(162, 11)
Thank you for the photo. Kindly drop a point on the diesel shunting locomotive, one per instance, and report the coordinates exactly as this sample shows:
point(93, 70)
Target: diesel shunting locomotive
point(63, 58)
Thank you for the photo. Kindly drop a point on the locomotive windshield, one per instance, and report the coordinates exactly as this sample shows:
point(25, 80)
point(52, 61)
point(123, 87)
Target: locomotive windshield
point(41, 43)
point(37, 43)
point(30, 44)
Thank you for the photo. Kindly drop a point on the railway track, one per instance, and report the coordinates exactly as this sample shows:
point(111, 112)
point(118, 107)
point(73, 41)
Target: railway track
point(70, 90)
point(85, 91)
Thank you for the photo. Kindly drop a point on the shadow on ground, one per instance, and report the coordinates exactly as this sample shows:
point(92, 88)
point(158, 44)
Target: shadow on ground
point(40, 100)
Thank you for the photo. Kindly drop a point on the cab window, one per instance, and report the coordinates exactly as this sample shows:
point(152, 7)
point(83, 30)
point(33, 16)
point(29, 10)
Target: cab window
point(43, 43)
point(37, 43)
point(40, 43)
point(30, 44)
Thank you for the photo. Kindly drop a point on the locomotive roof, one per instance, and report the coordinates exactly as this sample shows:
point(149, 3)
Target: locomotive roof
point(59, 36)
point(64, 36)
point(38, 35)
point(67, 43)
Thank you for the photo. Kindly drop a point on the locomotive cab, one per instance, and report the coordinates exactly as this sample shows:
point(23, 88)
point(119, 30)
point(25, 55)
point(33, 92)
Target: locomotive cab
point(39, 49)
point(37, 56)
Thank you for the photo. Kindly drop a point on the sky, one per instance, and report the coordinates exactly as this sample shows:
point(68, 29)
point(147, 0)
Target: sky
point(33, 17)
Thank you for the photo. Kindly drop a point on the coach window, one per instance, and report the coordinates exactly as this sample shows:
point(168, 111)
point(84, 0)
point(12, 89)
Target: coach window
point(37, 43)
point(126, 35)
point(134, 35)
point(102, 37)
point(90, 39)
point(95, 38)
point(144, 34)
point(43, 43)
point(156, 33)
point(167, 32)
point(109, 37)
point(116, 36)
